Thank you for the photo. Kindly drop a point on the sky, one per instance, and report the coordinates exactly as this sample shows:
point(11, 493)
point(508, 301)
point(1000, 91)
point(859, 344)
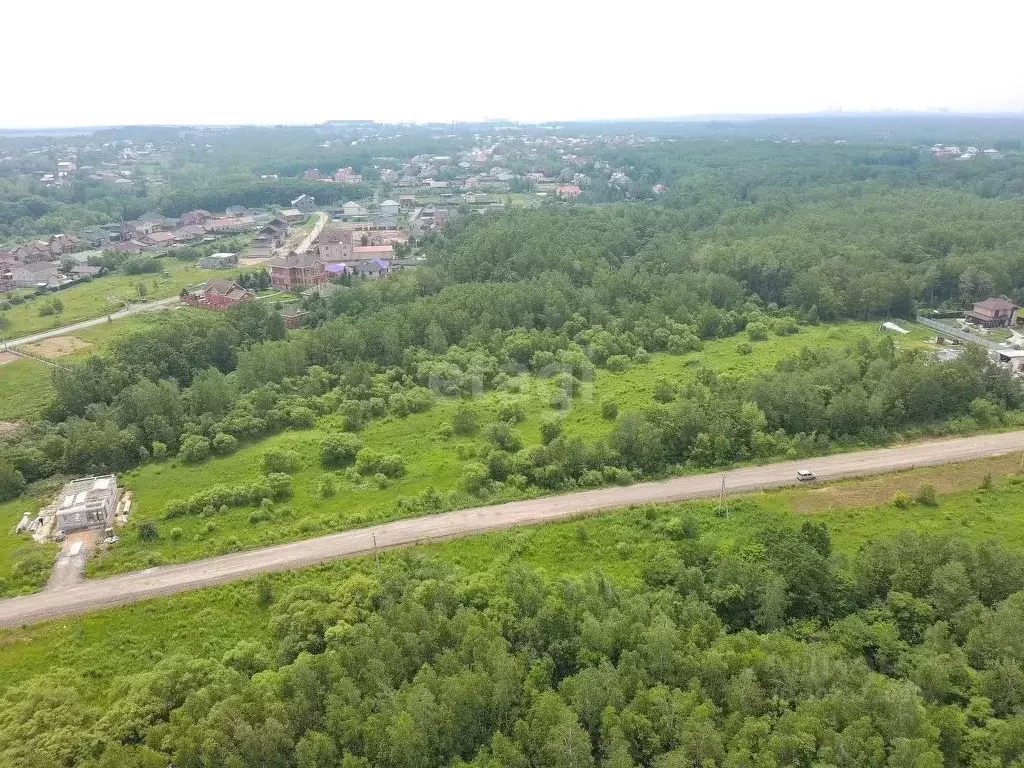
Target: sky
point(111, 62)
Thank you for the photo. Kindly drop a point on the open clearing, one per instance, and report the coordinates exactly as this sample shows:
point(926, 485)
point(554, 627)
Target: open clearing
point(57, 346)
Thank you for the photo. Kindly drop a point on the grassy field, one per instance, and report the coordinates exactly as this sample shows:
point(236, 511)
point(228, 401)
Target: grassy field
point(25, 390)
point(432, 462)
point(105, 646)
point(25, 385)
point(89, 300)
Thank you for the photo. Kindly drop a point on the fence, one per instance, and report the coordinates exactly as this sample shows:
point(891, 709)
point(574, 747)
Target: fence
point(955, 333)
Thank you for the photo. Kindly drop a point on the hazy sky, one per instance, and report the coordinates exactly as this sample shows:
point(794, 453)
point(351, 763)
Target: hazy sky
point(158, 61)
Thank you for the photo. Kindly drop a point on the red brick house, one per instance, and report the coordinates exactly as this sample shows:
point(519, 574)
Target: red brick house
point(220, 295)
point(297, 269)
point(568, 191)
point(193, 218)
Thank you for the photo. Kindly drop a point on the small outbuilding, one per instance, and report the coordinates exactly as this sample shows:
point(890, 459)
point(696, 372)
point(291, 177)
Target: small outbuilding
point(88, 502)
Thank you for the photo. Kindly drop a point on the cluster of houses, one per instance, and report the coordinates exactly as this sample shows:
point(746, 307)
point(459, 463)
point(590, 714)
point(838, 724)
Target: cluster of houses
point(47, 263)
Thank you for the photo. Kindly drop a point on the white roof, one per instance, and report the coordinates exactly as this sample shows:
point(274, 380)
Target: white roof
point(389, 202)
point(101, 484)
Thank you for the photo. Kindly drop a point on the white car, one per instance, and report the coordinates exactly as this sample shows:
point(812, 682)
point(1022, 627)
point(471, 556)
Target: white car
point(805, 475)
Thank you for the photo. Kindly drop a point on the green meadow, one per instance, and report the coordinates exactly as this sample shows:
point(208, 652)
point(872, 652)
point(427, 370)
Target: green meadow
point(433, 461)
point(102, 296)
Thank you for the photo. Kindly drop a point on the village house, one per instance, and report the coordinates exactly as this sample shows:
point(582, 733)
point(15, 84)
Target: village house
point(304, 204)
point(294, 270)
point(994, 313)
point(157, 239)
point(34, 273)
point(347, 176)
point(390, 208)
point(128, 246)
point(353, 210)
point(568, 192)
point(293, 314)
point(243, 223)
point(219, 261)
point(366, 252)
point(334, 245)
point(85, 270)
point(292, 216)
point(406, 202)
point(311, 175)
point(198, 216)
point(88, 502)
point(189, 233)
point(219, 295)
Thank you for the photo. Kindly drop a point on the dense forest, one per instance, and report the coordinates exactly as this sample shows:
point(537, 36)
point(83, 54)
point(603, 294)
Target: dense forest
point(774, 653)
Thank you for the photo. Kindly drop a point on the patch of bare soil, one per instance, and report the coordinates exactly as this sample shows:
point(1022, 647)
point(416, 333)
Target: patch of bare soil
point(57, 346)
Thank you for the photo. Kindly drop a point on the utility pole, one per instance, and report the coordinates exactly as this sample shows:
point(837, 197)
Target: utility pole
point(722, 503)
point(376, 554)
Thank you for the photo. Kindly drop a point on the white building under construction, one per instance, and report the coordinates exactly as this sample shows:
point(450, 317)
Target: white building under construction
point(88, 502)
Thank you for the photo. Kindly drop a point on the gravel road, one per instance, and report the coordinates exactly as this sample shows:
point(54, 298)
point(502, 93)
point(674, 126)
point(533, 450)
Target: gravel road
point(168, 580)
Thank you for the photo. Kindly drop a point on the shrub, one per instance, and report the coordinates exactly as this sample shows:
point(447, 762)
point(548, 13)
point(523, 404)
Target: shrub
point(664, 391)
point(148, 531)
point(618, 363)
point(223, 444)
point(280, 461)
point(340, 450)
point(902, 500)
point(474, 479)
point(757, 331)
point(745, 348)
point(511, 411)
point(280, 485)
point(551, 426)
point(12, 482)
point(159, 450)
point(609, 410)
point(504, 437)
point(464, 421)
point(986, 482)
point(641, 356)
point(370, 462)
point(786, 326)
point(326, 487)
point(176, 534)
point(927, 497)
point(194, 448)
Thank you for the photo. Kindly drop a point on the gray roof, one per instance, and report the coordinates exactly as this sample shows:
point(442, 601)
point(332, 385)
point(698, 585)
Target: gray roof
point(306, 259)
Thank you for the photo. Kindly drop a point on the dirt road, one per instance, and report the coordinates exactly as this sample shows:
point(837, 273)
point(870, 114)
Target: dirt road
point(167, 580)
point(66, 329)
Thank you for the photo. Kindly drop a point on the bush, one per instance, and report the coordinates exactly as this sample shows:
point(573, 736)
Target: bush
point(464, 421)
point(194, 448)
point(745, 348)
point(664, 391)
point(901, 500)
point(609, 410)
point(340, 450)
point(618, 363)
point(176, 534)
point(511, 411)
point(474, 479)
point(326, 487)
point(223, 444)
point(927, 497)
point(986, 482)
point(551, 426)
point(757, 331)
point(370, 462)
point(280, 461)
point(12, 482)
point(280, 485)
point(504, 437)
point(148, 531)
point(159, 450)
point(641, 356)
